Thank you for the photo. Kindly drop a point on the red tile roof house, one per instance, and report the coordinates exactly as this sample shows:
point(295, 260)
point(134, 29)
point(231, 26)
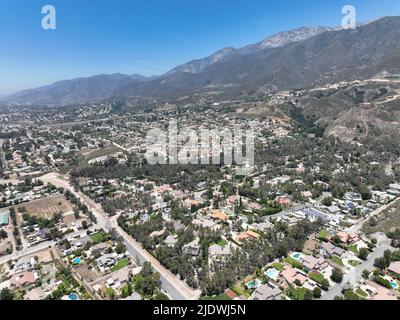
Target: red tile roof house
point(22, 279)
point(291, 275)
point(346, 237)
point(284, 201)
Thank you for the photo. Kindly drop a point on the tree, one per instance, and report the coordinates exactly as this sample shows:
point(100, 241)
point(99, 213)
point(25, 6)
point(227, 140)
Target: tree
point(325, 285)
point(3, 234)
point(337, 275)
point(363, 254)
point(365, 274)
point(308, 295)
point(380, 263)
point(6, 294)
point(327, 201)
point(317, 293)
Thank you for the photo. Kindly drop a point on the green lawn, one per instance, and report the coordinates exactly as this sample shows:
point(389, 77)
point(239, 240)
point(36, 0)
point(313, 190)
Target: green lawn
point(120, 264)
point(296, 294)
point(317, 277)
point(221, 297)
point(222, 243)
point(337, 260)
point(99, 237)
point(294, 263)
point(323, 235)
point(361, 293)
point(353, 248)
point(109, 292)
point(277, 265)
point(354, 263)
point(241, 292)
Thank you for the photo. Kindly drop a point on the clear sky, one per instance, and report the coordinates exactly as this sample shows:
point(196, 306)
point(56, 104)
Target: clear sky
point(146, 36)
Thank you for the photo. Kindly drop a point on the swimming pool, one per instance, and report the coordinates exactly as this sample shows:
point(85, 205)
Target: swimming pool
point(73, 296)
point(253, 284)
point(76, 261)
point(297, 255)
point(272, 273)
point(394, 284)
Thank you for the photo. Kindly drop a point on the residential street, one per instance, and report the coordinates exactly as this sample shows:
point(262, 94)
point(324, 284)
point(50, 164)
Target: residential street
point(355, 275)
point(175, 288)
point(25, 252)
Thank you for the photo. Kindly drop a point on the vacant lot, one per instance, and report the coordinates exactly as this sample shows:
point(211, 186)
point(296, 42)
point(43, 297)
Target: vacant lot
point(45, 208)
point(387, 221)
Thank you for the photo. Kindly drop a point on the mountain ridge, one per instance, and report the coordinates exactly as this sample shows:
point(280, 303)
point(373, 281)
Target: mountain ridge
point(296, 58)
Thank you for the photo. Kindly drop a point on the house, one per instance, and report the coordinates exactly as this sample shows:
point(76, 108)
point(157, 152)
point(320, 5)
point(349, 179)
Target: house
point(219, 215)
point(99, 248)
point(134, 297)
point(216, 251)
point(311, 263)
point(192, 249)
point(394, 269)
point(291, 275)
point(24, 264)
point(307, 194)
point(171, 241)
point(266, 292)
point(333, 209)
point(22, 279)
point(314, 214)
point(346, 237)
point(328, 250)
point(106, 261)
point(353, 196)
point(263, 226)
point(248, 235)
point(206, 223)
point(119, 278)
point(284, 201)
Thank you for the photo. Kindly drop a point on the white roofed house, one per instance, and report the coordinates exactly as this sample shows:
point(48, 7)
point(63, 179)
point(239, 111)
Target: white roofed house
point(193, 248)
point(217, 253)
point(171, 241)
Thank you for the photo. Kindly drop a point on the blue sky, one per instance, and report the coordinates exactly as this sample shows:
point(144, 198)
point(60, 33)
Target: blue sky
point(146, 36)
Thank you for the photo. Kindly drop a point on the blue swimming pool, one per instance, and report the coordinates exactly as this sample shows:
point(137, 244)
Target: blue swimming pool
point(297, 255)
point(272, 273)
point(253, 284)
point(73, 296)
point(76, 261)
point(394, 284)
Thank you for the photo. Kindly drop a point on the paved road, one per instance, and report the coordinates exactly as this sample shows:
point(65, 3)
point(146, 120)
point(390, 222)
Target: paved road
point(3, 162)
point(355, 275)
point(175, 288)
point(357, 227)
point(26, 252)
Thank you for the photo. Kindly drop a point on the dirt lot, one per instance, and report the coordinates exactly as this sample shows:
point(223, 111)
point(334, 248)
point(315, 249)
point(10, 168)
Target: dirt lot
point(387, 221)
point(45, 208)
point(87, 274)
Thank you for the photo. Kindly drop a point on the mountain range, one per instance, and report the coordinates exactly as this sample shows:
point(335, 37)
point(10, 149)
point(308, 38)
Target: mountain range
point(299, 58)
